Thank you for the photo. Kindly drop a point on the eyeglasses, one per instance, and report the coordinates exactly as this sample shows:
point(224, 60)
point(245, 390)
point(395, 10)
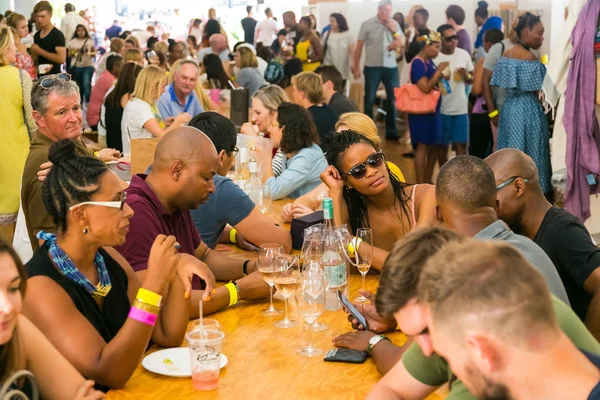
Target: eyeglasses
point(49, 81)
point(451, 38)
point(234, 152)
point(360, 170)
point(112, 204)
point(509, 181)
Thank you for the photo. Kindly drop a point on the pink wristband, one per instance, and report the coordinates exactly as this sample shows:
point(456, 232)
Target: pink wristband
point(143, 316)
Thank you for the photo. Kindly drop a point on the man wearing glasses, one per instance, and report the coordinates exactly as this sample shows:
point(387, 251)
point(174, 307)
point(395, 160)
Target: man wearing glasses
point(229, 215)
point(455, 105)
point(559, 233)
point(57, 112)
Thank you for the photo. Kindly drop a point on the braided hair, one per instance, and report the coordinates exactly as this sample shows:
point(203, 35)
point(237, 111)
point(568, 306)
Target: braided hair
point(356, 202)
point(73, 179)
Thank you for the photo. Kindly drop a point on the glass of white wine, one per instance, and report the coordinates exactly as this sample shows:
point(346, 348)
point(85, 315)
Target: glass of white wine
point(287, 276)
point(365, 257)
point(310, 304)
point(268, 254)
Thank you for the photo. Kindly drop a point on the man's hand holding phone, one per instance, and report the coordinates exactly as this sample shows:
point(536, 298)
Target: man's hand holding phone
point(375, 322)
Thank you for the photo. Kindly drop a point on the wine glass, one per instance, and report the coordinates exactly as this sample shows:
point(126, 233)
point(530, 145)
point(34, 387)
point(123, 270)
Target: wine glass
point(265, 200)
point(364, 258)
point(267, 256)
point(310, 304)
point(287, 276)
point(310, 258)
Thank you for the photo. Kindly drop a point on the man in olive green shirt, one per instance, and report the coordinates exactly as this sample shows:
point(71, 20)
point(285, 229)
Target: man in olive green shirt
point(57, 112)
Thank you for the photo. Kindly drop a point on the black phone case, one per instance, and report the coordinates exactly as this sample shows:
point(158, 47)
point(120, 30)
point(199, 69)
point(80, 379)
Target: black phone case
point(346, 356)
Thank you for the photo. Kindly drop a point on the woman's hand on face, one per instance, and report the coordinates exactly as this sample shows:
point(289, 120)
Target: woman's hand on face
point(162, 263)
point(248, 129)
point(332, 178)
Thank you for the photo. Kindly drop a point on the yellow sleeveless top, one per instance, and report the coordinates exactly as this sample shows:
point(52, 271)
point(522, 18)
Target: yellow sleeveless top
point(15, 142)
point(302, 54)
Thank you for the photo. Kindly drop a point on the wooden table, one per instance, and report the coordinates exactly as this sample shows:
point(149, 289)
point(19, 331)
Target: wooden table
point(263, 363)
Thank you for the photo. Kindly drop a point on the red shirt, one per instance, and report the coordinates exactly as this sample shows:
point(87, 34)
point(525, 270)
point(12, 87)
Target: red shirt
point(103, 83)
point(152, 219)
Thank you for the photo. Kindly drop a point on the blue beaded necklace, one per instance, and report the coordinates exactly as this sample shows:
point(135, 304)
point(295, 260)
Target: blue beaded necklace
point(65, 265)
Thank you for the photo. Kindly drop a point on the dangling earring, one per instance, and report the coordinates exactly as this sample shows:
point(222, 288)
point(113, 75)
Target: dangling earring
point(85, 231)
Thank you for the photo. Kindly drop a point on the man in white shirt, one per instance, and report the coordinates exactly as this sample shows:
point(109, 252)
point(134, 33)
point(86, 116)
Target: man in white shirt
point(266, 30)
point(70, 22)
point(455, 106)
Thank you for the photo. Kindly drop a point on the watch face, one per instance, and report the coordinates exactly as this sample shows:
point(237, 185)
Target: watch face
point(374, 340)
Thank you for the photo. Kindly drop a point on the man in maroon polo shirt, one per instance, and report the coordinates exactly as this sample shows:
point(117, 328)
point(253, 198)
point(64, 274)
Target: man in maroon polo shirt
point(181, 179)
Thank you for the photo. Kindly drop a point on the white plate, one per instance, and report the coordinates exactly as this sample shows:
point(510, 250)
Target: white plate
point(180, 358)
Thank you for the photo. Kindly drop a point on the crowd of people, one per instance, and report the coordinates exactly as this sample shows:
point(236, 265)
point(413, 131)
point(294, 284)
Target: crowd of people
point(497, 288)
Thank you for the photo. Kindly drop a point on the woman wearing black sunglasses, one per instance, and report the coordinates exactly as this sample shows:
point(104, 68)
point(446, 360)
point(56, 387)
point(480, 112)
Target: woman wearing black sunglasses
point(366, 195)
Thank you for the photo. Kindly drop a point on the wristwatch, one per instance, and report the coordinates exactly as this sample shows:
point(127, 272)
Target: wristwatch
point(374, 341)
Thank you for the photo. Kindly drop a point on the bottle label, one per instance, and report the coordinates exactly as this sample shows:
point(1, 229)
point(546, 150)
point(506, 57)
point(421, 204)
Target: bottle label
point(327, 214)
point(336, 275)
point(252, 167)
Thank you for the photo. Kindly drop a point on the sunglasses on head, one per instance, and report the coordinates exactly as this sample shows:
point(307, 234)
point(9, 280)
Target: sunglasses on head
point(451, 38)
point(49, 81)
point(360, 170)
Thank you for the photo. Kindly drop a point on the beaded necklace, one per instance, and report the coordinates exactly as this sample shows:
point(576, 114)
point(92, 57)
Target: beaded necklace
point(66, 266)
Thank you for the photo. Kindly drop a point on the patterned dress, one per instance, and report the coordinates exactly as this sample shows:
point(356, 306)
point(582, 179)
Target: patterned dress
point(523, 125)
point(25, 62)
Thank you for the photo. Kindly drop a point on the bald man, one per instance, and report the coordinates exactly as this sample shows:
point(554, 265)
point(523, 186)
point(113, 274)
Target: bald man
point(181, 179)
point(218, 46)
point(560, 234)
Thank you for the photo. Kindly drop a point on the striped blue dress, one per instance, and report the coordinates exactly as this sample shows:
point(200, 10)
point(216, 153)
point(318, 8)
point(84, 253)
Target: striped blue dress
point(523, 124)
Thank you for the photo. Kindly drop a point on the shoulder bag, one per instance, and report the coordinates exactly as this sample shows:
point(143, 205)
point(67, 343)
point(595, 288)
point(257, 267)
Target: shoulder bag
point(410, 99)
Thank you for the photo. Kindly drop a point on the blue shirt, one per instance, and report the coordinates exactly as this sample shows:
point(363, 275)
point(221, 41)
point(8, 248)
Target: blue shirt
point(229, 204)
point(301, 174)
point(169, 105)
point(113, 31)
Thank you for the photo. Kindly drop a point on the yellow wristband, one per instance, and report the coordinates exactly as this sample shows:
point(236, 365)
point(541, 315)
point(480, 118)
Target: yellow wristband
point(146, 307)
point(148, 297)
point(353, 246)
point(232, 233)
point(96, 154)
point(233, 297)
point(493, 114)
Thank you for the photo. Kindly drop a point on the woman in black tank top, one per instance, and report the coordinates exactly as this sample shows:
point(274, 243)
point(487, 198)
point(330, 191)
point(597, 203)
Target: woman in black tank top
point(25, 353)
point(82, 292)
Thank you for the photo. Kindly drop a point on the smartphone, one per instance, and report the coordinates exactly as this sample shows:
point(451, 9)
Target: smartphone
point(350, 307)
point(346, 355)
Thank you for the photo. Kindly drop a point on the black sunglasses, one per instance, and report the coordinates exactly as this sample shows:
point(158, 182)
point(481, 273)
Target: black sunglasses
point(451, 38)
point(360, 170)
point(49, 81)
point(234, 152)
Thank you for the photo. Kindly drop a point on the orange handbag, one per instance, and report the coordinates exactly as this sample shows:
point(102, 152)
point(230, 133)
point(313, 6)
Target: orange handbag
point(410, 99)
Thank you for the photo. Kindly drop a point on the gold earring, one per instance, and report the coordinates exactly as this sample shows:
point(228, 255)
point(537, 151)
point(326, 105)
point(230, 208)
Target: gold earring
point(85, 231)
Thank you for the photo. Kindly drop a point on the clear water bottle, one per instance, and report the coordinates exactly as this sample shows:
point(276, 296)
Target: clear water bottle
point(333, 261)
